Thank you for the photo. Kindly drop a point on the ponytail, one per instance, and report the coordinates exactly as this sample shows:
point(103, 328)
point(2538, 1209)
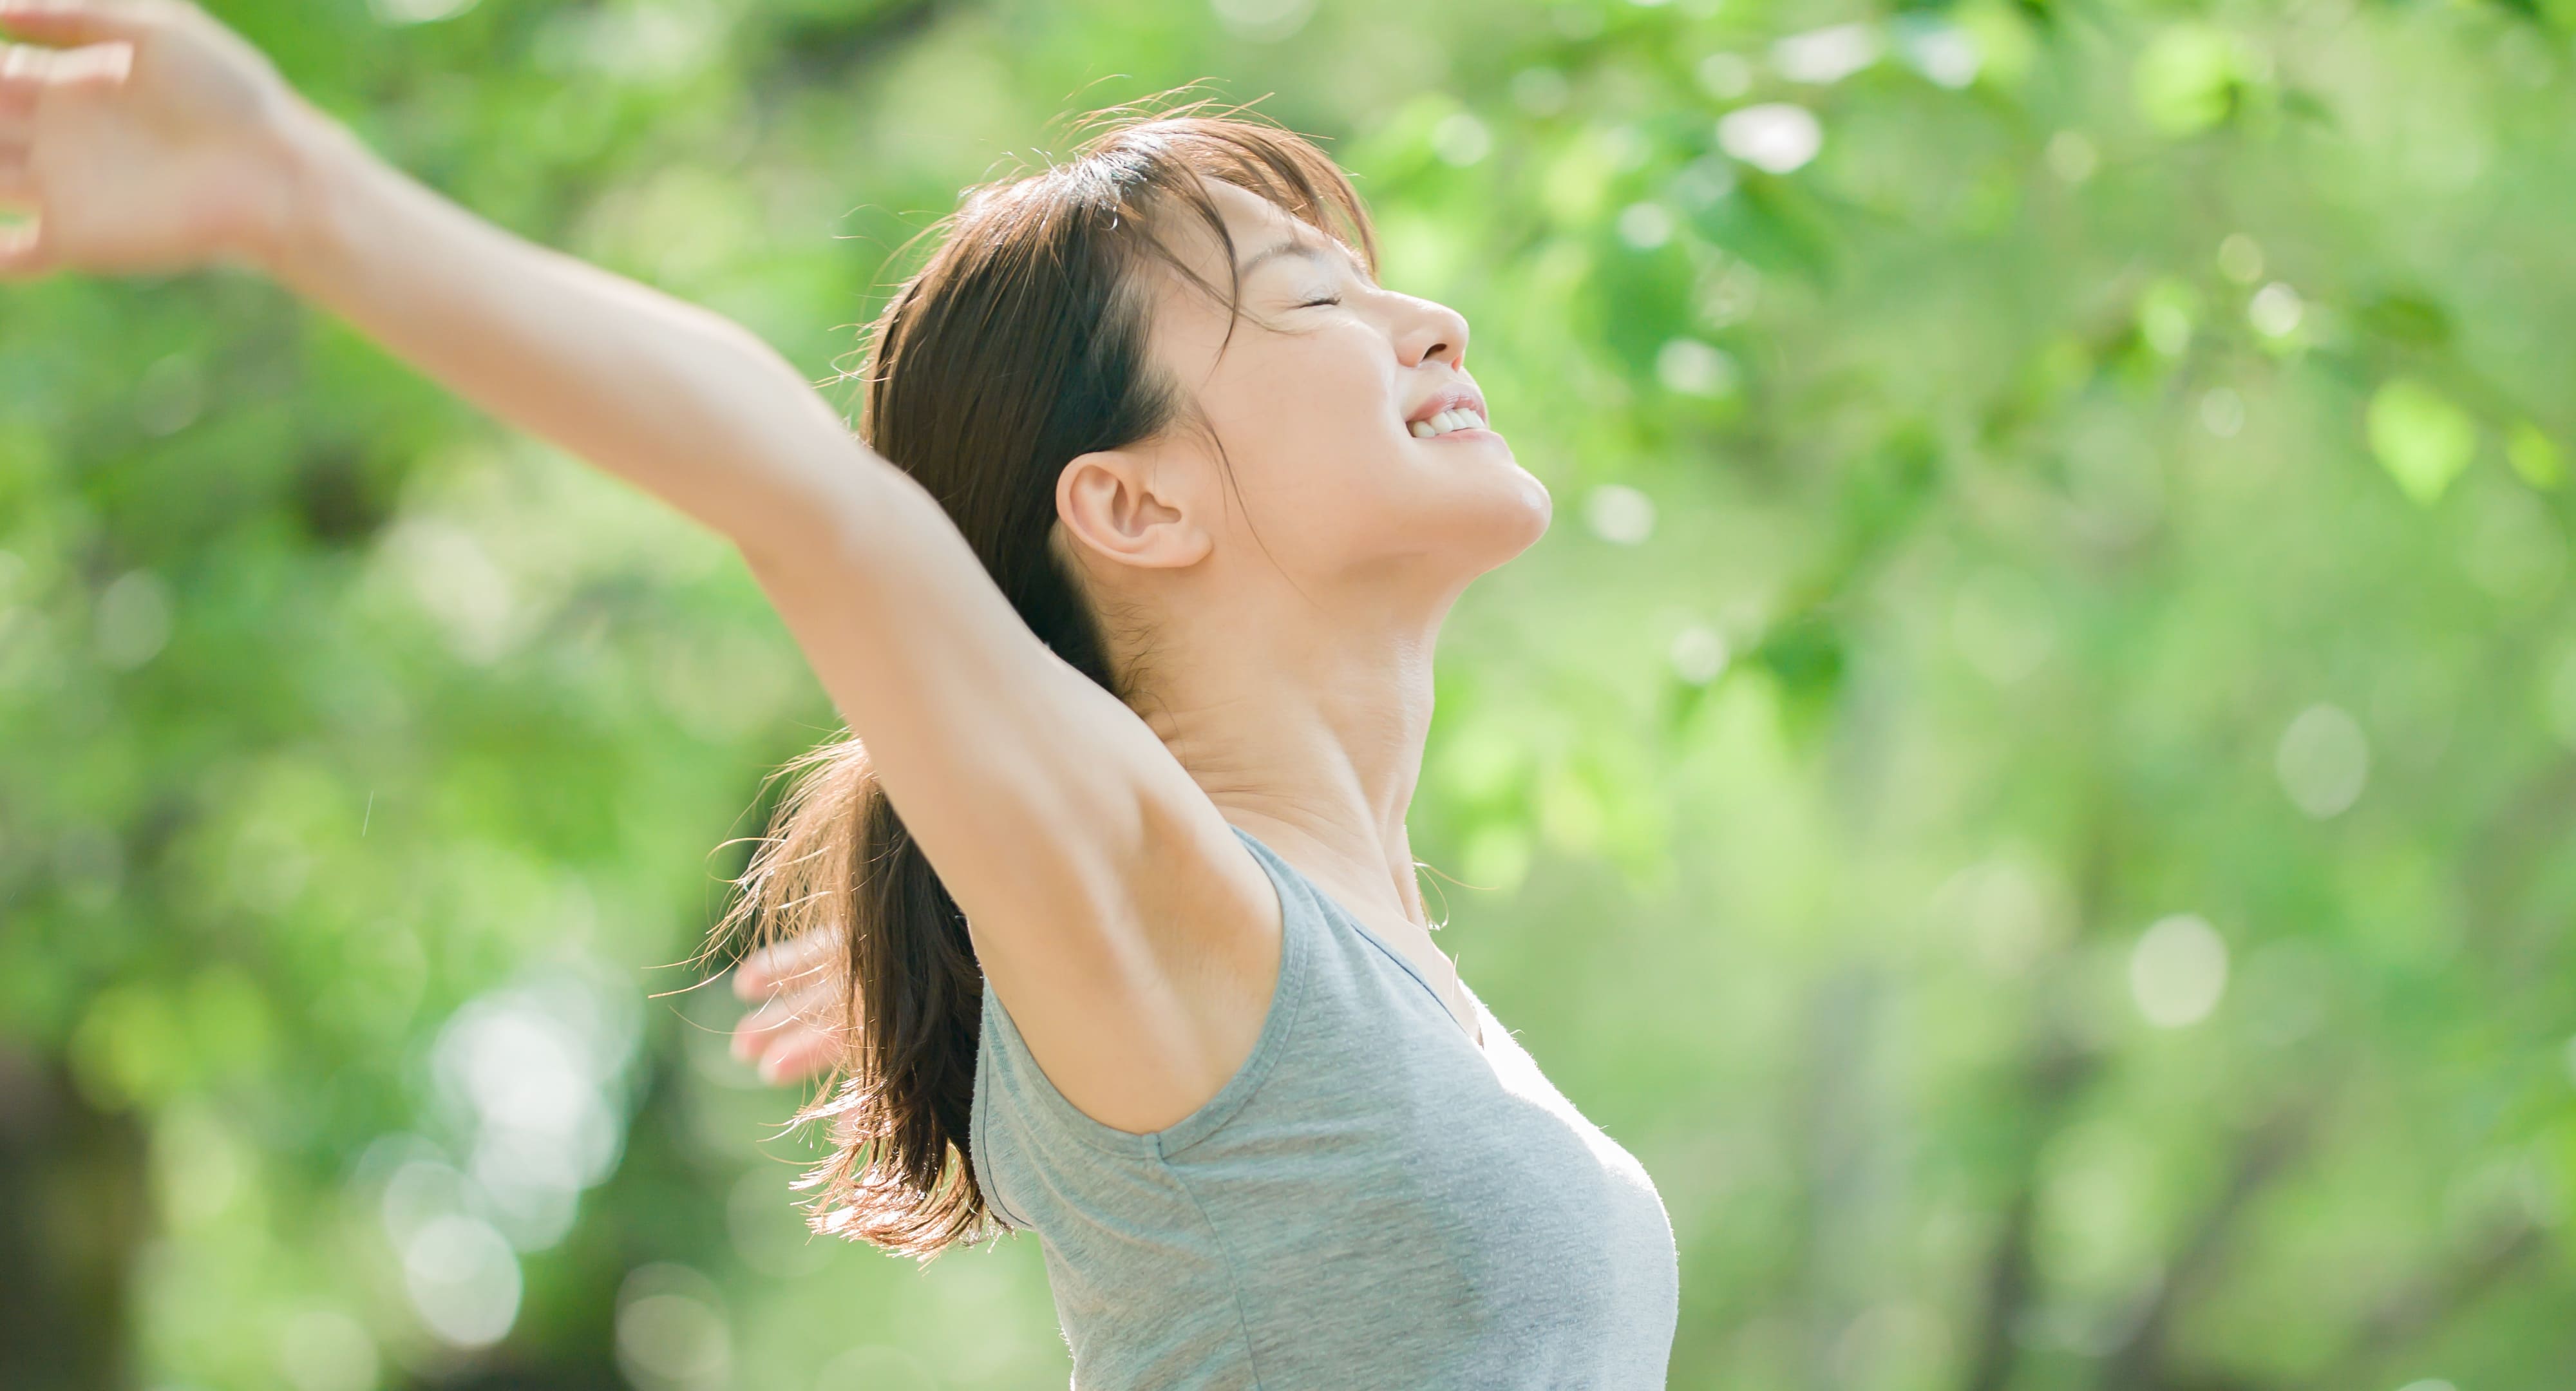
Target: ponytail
point(905, 1087)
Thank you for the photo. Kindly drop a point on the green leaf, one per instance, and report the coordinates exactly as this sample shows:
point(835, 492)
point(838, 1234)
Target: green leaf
point(2534, 456)
point(2168, 311)
point(2006, 47)
point(2421, 438)
point(1807, 654)
point(2407, 320)
point(2187, 79)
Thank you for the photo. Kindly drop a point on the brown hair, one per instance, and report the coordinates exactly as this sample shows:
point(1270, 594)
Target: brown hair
point(1018, 346)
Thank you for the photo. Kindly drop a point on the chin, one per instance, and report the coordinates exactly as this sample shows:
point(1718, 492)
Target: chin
point(1540, 508)
point(1522, 509)
point(1504, 516)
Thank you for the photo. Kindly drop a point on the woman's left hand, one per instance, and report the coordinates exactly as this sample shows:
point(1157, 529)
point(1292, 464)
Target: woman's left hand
point(796, 1033)
point(144, 137)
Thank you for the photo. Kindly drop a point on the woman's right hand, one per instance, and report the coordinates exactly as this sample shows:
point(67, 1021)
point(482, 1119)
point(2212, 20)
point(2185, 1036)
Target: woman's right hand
point(797, 1031)
point(144, 137)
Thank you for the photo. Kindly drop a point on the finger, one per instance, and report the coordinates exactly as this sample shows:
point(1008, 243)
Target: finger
point(23, 253)
point(766, 969)
point(812, 1005)
point(26, 71)
point(752, 1035)
point(69, 22)
point(817, 1007)
point(22, 72)
point(100, 63)
point(799, 1056)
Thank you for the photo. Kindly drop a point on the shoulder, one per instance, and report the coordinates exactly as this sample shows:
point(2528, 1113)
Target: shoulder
point(1141, 1008)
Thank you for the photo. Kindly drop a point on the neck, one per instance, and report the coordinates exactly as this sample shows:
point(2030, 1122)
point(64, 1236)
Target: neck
point(1306, 731)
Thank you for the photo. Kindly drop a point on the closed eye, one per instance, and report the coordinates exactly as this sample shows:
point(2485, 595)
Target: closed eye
point(1327, 299)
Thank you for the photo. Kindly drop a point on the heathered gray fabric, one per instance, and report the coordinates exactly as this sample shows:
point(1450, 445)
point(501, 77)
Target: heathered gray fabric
point(1371, 1201)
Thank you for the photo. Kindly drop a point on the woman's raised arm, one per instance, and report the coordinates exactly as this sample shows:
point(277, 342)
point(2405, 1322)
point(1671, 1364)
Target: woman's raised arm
point(150, 138)
point(146, 137)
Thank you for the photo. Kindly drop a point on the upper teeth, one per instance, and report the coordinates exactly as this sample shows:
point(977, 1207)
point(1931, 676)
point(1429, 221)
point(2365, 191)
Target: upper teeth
point(1445, 422)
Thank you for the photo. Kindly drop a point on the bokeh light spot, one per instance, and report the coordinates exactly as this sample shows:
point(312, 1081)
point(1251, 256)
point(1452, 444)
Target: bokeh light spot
point(133, 620)
point(326, 1350)
point(1645, 226)
point(1775, 136)
point(1726, 76)
point(1461, 139)
point(1690, 367)
point(418, 11)
point(2275, 310)
point(1263, 21)
point(2072, 157)
point(170, 395)
point(2323, 761)
point(463, 1279)
point(1541, 91)
point(2222, 412)
point(2178, 971)
point(1620, 514)
point(2240, 258)
point(2165, 317)
point(671, 1330)
point(1825, 56)
point(1698, 654)
point(1941, 51)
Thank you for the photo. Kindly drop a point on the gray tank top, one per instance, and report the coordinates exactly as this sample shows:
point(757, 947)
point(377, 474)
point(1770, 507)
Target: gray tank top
point(1372, 1200)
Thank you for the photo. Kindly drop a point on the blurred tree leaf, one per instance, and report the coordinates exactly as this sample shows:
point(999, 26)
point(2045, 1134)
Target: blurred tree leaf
point(2535, 456)
point(2405, 319)
point(2421, 438)
point(2192, 77)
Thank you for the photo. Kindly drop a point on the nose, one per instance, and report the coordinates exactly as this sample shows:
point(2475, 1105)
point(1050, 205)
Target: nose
point(1430, 332)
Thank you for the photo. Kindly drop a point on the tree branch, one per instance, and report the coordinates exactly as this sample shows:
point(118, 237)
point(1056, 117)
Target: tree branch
point(2057, 1075)
point(2139, 1363)
point(2416, 1307)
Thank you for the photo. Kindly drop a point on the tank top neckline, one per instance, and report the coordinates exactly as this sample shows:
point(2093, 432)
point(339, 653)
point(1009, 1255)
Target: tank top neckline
point(1472, 1030)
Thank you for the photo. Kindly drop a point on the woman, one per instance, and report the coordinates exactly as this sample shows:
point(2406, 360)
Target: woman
point(1130, 593)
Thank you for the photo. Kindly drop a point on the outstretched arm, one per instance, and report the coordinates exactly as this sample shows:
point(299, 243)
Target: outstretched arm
point(1098, 880)
point(159, 141)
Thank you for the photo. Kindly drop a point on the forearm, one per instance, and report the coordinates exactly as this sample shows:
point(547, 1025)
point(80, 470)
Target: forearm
point(678, 400)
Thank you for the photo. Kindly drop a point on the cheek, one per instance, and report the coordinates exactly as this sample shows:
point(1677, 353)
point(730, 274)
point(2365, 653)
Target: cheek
point(1308, 420)
point(1323, 395)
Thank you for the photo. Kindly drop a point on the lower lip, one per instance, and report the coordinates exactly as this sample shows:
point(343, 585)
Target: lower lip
point(1471, 432)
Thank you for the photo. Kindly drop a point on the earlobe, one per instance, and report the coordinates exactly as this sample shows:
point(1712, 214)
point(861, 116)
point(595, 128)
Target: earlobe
point(1107, 503)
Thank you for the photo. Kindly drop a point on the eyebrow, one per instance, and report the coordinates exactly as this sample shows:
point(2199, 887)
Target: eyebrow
point(1304, 247)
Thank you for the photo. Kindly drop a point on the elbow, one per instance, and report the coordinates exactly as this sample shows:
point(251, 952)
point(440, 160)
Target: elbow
point(834, 516)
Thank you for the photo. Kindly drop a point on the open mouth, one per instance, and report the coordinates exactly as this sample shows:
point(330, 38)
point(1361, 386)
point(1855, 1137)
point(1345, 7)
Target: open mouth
point(1448, 422)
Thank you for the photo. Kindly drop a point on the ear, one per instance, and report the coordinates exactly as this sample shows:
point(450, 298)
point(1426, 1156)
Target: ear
point(1108, 502)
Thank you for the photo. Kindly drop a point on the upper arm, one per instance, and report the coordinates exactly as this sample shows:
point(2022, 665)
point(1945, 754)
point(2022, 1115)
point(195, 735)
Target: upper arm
point(1132, 937)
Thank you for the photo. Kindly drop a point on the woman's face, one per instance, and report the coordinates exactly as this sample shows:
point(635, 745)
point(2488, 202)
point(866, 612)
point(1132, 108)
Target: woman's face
point(1356, 456)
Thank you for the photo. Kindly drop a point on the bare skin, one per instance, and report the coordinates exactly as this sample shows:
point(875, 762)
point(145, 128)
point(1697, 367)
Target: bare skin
point(1292, 606)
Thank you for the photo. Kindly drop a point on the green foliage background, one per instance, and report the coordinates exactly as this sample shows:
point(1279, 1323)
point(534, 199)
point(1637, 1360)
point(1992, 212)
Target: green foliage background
point(2090, 537)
